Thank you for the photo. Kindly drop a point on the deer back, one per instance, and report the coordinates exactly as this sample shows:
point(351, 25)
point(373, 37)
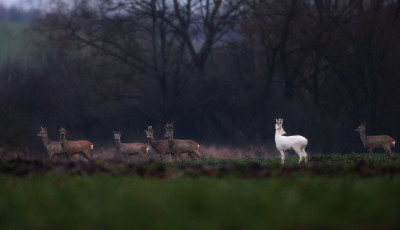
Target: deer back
point(183, 146)
point(78, 146)
point(133, 148)
point(379, 141)
point(53, 147)
point(290, 142)
point(160, 146)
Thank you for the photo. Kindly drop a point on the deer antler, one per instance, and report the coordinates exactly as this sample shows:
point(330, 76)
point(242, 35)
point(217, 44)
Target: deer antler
point(279, 123)
point(169, 126)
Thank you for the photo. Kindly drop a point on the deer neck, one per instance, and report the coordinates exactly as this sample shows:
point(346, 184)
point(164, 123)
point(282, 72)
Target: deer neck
point(151, 142)
point(277, 135)
point(170, 142)
point(118, 143)
point(63, 140)
point(45, 140)
point(363, 136)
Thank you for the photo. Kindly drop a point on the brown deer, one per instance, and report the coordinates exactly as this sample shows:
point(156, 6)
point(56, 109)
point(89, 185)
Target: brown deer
point(372, 142)
point(179, 147)
point(53, 148)
point(129, 149)
point(70, 148)
point(159, 146)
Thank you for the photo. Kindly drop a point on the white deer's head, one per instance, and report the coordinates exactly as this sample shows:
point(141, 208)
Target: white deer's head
point(279, 123)
point(280, 132)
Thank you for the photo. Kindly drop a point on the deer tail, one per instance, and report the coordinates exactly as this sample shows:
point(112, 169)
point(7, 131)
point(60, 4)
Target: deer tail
point(91, 147)
point(147, 149)
point(393, 143)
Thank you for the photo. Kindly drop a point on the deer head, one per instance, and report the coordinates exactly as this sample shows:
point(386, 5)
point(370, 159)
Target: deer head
point(117, 136)
point(149, 132)
point(279, 123)
point(43, 132)
point(280, 132)
point(63, 131)
point(169, 131)
point(361, 128)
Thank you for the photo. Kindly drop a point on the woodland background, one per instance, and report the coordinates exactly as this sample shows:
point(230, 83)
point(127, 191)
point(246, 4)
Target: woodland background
point(221, 71)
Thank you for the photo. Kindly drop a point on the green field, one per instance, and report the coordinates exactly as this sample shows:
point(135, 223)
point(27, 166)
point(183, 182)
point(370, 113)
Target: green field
point(241, 194)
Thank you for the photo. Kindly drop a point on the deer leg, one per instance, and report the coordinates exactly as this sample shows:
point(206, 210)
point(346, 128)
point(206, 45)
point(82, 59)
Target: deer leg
point(305, 155)
point(282, 157)
point(198, 154)
point(173, 157)
point(182, 160)
point(389, 151)
point(67, 156)
point(124, 157)
point(298, 151)
point(87, 155)
point(52, 156)
point(144, 157)
point(190, 154)
point(370, 154)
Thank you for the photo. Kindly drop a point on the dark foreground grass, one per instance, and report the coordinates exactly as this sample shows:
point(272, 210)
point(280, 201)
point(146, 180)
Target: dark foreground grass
point(299, 200)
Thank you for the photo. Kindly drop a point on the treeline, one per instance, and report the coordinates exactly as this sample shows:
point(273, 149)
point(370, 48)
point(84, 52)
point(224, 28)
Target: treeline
point(222, 71)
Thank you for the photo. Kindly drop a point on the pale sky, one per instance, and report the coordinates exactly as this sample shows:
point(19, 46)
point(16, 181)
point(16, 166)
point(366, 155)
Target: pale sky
point(25, 4)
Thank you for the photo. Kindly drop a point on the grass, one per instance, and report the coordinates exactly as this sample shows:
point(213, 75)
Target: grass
point(299, 200)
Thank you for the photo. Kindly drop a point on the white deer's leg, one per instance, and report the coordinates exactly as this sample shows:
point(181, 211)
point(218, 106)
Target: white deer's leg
point(300, 153)
point(282, 157)
point(305, 155)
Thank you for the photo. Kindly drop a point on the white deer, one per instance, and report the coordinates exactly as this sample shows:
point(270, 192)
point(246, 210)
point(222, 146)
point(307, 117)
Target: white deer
point(284, 144)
